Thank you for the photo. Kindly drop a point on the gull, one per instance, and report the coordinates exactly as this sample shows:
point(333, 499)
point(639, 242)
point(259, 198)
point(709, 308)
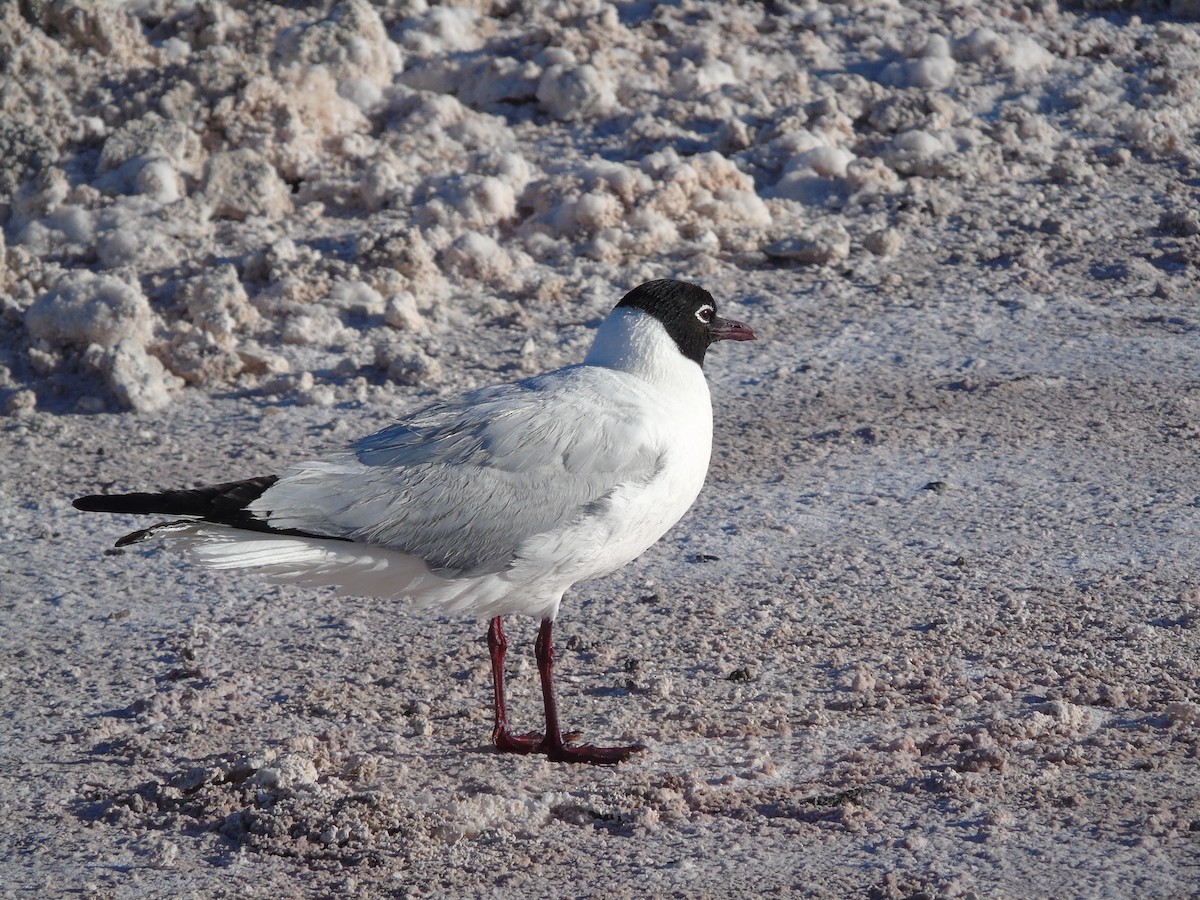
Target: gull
point(492, 503)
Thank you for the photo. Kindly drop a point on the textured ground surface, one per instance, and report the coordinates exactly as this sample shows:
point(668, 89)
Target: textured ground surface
point(933, 627)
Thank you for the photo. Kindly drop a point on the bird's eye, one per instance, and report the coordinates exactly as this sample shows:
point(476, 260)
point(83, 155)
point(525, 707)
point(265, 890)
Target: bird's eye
point(705, 314)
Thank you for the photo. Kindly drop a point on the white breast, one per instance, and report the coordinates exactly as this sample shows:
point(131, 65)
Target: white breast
point(678, 424)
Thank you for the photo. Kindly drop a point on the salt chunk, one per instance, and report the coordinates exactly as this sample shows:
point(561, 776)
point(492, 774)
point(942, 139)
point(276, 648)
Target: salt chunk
point(39, 195)
point(595, 211)
point(22, 403)
point(918, 142)
point(283, 251)
point(494, 81)
point(158, 180)
point(217, 303)
point(485, 200)
point(810, 177)
point(127, 239)
point(495, 199)
point(110, 31)
point(937, 47)
point(826, 161)
point(258, 361)
point(380, 182)
point(77, 225)
point(871, 175)
point(319, 327)
point(152, 137)
point(626, 182)
point(1059, 716)
point(42, 361)
point(884, 242)
point(137, 380)
point(933, 68)
point(175, 50)
point(1026, 55)
point(402, 312)
point(652, 230)
point(820, 246)
point(352, 44)
point(478, 256)
point(198, 358)
point(364, 94)
point(86, 308)
point(1180, 222)
point(983, 43)
point(289, 772)
point(323, 395)
point(1183, 713)
point(413, 368)
point(240, 184)
point(863, 681)
point(911, 150)
point(931, 73)
point(730, 206)
point(575, 93)
point(357, 298)
point(711, 76)
point(443, 29)
point(511, 168)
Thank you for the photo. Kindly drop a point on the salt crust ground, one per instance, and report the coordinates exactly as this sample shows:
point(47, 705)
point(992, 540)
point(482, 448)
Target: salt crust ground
point(932, 628)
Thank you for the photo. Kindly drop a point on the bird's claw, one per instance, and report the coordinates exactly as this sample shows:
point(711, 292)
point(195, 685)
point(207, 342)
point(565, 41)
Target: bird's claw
point(588, 753)
point(507, 742)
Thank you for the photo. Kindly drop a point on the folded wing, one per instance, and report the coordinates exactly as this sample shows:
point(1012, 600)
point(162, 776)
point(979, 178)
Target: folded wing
point(463, 485)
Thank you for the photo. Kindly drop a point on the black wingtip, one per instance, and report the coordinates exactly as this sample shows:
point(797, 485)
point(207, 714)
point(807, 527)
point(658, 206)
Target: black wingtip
point(134, 537)
point(122, 503)
point(94, 503)
point(217, 502)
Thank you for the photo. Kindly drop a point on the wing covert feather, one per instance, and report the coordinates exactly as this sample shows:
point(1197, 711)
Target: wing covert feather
point(463, 484)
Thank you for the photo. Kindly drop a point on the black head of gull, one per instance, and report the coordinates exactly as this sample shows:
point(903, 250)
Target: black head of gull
point(688, 313)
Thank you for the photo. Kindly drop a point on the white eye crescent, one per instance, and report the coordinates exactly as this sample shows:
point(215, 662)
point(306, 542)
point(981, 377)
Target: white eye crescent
point(705, 314)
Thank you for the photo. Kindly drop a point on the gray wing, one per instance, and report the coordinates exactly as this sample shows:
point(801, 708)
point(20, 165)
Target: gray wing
point(463, 484)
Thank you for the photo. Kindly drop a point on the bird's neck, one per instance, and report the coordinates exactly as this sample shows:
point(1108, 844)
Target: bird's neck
point(630, 340)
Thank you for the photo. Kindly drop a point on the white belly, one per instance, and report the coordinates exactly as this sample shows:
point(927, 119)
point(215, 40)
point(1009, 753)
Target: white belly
point(636, 514)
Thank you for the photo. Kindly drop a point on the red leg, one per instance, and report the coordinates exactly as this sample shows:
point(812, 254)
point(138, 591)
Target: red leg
point(502, 735)
point(553, 745)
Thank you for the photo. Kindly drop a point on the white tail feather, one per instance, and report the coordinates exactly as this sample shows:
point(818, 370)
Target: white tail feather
point(355, 569)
